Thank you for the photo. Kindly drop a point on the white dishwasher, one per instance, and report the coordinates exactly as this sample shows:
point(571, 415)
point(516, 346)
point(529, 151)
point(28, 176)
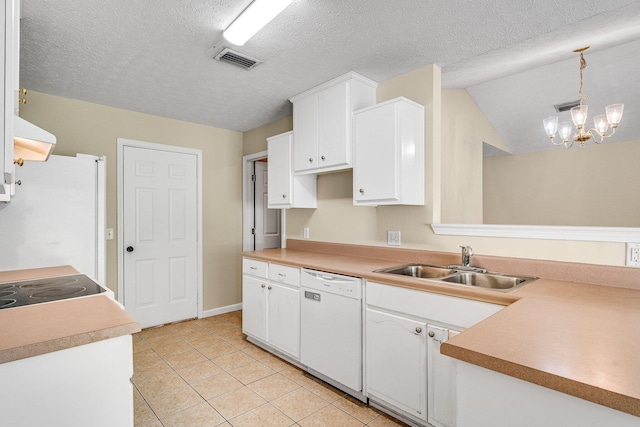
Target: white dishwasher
point(331, 329)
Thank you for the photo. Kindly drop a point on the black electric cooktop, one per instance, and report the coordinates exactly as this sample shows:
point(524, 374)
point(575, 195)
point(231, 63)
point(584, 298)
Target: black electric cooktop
point(27, 292)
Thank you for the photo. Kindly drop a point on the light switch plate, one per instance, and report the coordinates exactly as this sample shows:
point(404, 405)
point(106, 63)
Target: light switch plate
point(393, 238)
point(305, 233)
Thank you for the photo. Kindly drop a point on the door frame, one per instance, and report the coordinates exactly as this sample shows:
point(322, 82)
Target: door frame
point(247, 202)
point(124, 142)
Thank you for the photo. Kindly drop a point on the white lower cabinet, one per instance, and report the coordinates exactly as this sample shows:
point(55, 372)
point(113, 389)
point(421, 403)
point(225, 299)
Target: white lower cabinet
point(404, 370)
point(396, 361)
point(271, 308)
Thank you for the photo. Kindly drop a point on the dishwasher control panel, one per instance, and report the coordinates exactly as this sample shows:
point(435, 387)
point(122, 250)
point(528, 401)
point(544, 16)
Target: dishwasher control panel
point(330, 282)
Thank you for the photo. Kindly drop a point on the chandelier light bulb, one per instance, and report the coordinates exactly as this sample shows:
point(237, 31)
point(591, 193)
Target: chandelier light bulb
point(601, 124)
point(564, 130)
point(614, 114)
point(579, 115)
point(550, 126)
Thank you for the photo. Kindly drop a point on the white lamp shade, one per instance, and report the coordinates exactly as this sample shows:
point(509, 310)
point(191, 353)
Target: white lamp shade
point(253, 19)
point(579, 115)
point(614, 113)
point(564, 130)
point(601, 124)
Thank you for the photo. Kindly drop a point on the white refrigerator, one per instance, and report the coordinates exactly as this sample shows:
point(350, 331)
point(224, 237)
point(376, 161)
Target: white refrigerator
point(57, 216)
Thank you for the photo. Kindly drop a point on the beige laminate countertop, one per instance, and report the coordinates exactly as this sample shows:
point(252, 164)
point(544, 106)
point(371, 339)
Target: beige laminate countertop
point(576, 338)
point(43, 328)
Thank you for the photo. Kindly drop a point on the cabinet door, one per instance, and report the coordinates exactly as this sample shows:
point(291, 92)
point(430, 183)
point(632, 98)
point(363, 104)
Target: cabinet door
point(279, 173)
point(305, 132)
point(334, 117)
point(396, 362)
point(283, 322)
point(376, 175)
point(442, 380)
point(254, 307)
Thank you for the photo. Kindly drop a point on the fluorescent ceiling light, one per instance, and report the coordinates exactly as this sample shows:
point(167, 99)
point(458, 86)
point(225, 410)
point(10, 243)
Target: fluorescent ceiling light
point(253, 18)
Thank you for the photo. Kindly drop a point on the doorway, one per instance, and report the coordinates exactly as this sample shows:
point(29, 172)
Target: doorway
point(159, 232)
point(263, 228)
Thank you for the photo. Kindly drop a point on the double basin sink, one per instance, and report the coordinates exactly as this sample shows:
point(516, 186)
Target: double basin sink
point(461, 276)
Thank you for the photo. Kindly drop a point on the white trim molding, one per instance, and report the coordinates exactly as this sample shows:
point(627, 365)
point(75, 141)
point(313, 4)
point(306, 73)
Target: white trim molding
point(220, 310)
point(543, 232)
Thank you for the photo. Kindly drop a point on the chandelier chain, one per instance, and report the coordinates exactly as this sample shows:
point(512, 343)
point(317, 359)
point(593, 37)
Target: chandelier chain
point(583, 65)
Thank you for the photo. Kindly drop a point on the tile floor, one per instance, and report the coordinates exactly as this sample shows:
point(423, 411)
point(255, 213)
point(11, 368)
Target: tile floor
point(205, 373)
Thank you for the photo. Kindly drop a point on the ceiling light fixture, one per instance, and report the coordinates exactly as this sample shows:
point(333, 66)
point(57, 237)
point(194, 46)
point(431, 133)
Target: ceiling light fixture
point(258, 14)
point(579, 117)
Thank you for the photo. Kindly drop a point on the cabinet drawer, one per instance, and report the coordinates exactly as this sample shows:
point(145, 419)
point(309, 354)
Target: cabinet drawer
point(254, 268)
point(446, 309)
point(284, 274)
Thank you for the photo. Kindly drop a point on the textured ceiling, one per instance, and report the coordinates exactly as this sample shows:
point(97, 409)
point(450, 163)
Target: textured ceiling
point(156, 56)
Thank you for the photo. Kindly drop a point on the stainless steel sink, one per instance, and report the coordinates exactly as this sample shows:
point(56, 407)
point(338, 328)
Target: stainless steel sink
point(419, 270)
point(493, 281)
point(497, 282)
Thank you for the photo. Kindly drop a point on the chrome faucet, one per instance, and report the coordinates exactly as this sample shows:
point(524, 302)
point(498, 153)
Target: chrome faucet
point(466, 255)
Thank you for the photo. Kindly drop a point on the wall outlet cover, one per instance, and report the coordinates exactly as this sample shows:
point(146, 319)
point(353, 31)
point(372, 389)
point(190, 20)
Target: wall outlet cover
point(633, 254)
point(393, 238)
point(305, 233)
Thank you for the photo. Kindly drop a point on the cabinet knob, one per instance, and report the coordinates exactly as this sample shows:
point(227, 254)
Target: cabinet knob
point(362, 191)
point(310, 159)
point(418, 330)
point(284, 196)
point(22, 91)
point(322, 157)
point(22, 100)
point(269, 288)
point(263, 286)
point(431, 334)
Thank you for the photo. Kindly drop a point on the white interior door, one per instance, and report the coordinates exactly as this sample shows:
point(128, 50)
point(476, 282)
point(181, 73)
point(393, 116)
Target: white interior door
point(160, 235)
point(267, 221)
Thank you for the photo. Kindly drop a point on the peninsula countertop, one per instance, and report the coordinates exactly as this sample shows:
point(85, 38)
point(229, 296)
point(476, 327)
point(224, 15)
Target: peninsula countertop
point(43, 328)
point(582, 339)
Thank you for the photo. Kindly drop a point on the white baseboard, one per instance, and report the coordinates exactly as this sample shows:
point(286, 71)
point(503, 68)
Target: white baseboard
point(221, 310)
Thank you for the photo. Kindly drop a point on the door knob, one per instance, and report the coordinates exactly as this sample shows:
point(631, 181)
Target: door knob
point(129, 248)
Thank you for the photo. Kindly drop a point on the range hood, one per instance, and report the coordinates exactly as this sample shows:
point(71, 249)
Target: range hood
point(31, 143)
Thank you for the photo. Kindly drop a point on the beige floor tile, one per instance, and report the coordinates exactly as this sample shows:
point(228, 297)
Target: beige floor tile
point(174, 401)
point(153, 424)
point(324, 390)
point(145, 356)
point(217, 350)
point(142, 414)
point(148, 333)
point(139, 346)
point(252, 372)
point(206, 340)
point(330, 416)
point(188, 358)
point(198, 371)
point(273, 386)
point(275, 363)
point(236, 402)
point(239, 342)
point(255, 352)
point(201, 415)
point(262, 416)
point(216, 385)
point(192, 333)
point(233, 360)
point(299, 404)
point(163, 340)
point(298, 375)
point(137, 397)
point(159, 384)
point(150, 369)
point(173, 349)
point(384, 420)
point(356, 409)
point(229, 331)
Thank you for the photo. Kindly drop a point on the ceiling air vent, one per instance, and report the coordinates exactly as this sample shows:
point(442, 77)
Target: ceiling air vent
point(566, 106)
point(236, 58)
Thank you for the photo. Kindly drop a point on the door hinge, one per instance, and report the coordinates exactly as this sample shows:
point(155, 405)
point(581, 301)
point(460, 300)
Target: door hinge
point(253, 231)
point(253, 178)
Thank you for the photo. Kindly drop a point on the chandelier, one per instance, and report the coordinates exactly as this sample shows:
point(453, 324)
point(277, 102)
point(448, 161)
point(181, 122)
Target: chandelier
point(579, 116)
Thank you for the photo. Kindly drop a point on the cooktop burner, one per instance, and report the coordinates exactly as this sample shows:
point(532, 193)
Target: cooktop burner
point(27, 292)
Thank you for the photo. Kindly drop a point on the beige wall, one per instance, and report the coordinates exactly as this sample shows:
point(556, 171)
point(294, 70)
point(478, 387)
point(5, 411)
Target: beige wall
point(592, 186)
point(82, 127)
point(255, 140)
point(464, 129)
point(337, 220)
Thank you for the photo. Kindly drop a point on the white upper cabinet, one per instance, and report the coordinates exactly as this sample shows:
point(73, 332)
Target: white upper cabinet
point(11, 52)
point(322, 122)
point(286, 190)
point(388, 167)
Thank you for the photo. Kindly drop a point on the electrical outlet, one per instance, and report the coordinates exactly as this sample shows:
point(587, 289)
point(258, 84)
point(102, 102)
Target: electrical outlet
point(393, 238)
point(633, 254)
point(109, 233)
